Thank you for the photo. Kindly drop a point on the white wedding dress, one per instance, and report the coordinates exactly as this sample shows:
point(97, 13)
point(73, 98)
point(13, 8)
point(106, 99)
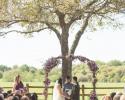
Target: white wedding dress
point(56, 94)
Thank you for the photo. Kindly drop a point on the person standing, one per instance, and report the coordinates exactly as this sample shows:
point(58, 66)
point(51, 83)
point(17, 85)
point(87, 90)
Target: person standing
point(76, 89)
point(67, 88)
point(57, 91)
point(18, 85)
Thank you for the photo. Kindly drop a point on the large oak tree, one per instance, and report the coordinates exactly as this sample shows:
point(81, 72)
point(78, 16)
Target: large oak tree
point(59, 16)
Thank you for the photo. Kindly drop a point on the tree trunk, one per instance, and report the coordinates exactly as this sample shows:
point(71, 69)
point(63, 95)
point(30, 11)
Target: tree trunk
point(66, 62)
point(70, 68)
point(66, 68)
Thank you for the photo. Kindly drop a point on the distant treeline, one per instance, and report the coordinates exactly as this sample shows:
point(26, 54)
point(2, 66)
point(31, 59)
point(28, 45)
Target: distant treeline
point(112, 71)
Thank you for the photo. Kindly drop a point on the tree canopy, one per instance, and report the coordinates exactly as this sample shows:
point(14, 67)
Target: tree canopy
point(59, 16)
point(37, 15)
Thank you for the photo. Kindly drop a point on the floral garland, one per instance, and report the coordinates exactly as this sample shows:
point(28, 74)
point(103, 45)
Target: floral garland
point(54, 61)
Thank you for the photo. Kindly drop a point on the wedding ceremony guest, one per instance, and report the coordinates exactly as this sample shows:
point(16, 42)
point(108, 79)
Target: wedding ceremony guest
point(122, 97)
point(25, 98)
point(117, 97)
point(18, 86)
point(107, 97)
point(119, 93)
point(1, 90)
point(76, 89)
point(1, 97)
point(67, 87)
point(1, 94)
point(112, 94)
point(34, 96)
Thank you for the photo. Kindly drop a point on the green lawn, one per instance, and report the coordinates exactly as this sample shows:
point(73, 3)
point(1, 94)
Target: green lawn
point(7, 84)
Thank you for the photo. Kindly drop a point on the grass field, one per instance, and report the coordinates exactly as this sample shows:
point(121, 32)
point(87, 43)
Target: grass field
point(103, 91)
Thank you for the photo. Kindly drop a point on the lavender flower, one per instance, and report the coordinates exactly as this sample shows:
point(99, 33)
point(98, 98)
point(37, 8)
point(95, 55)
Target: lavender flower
point(50, 63)
point(92, 65)
point(93, 95)
point(47, 82)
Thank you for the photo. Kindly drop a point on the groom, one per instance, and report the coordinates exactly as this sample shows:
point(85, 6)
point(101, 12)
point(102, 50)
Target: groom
point(67, 88)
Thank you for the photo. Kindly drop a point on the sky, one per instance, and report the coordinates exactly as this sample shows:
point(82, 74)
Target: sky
point(105, 45)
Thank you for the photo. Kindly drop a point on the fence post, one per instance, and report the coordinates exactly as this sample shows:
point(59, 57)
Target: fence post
point(27, 87)
point(83, 92)
point(52, 91)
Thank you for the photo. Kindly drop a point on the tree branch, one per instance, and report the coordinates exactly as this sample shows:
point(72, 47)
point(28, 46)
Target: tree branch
point(54, 30)
point(102, 6)
point(79, 34)
point(23, 32)
point(79, 13)
point(11, 22)
point(61, 17)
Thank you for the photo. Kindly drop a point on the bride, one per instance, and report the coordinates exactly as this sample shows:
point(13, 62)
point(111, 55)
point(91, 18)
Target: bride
point(57, 91)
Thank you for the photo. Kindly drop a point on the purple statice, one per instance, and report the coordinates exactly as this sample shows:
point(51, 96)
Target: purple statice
point(92, 66)
point(80, 58)
point(47, 82)
point(93, 95)
point(50, 63)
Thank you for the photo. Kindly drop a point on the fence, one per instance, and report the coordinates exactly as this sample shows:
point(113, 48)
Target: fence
point(83, 89)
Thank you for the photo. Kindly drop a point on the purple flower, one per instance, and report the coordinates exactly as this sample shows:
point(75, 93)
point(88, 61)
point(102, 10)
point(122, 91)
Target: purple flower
point(93, 95)
point(92, 65)
point(50, 63)
point(54, 61)
point(47, 82)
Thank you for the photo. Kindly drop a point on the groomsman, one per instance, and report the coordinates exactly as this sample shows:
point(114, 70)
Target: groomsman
point(76, 89)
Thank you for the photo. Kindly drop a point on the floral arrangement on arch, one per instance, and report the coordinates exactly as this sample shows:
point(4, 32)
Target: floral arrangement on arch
point(54, 61)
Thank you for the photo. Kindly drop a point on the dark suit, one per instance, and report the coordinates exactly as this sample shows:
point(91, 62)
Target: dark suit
point(67, 88)
point(75, 92)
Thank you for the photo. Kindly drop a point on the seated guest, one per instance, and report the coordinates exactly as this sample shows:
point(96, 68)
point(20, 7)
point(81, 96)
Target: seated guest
point(1, 89)
point(18, 85)
point(122, 97)
point(34, 96)
point(9, 97)
point(15, 98)
point(25, 98)
point(107, 97)
point(119, 93)
point(117, 97)
point(18, 94)
point(28, 95)
point(1, 97)
point(112, 94)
